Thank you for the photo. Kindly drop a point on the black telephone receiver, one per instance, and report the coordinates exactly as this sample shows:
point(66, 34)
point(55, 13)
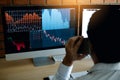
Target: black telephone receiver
point(84, 47)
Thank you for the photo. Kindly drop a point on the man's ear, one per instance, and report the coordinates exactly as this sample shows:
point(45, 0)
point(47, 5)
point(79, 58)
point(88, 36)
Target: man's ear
point(93, 54)
point(91, 47)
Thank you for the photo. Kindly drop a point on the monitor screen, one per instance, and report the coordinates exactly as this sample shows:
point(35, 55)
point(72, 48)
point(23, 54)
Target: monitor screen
point(29, 29)
point(86, 11)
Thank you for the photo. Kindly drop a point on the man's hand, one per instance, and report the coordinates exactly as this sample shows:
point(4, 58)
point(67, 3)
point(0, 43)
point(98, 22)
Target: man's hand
point(72, 47)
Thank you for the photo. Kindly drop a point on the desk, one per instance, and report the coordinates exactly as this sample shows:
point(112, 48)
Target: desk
point(25, 70)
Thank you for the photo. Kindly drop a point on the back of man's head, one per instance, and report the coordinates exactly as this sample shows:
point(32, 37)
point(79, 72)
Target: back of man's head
point(104, 34)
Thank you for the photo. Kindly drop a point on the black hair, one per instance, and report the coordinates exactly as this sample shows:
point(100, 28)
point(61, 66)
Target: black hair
point(104, 34)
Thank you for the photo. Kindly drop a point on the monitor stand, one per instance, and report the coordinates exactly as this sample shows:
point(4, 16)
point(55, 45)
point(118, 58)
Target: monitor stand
point(41, 61)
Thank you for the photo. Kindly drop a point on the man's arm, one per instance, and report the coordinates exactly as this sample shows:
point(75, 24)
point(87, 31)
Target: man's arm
point(71, 48)
point(65, 67)
point(63, 72)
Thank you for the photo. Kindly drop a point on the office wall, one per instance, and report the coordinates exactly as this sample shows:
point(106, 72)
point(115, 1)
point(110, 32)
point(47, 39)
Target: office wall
point(44, 2)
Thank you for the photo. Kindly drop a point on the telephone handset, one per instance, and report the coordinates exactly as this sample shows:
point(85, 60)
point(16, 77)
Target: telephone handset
point(84, 47)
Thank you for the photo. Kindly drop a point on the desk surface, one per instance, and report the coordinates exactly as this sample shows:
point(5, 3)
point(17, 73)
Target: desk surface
point(25, 70)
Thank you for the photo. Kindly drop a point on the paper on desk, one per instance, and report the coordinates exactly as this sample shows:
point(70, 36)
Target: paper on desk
point(78, 74)
point(73, 75)
point(51, 77)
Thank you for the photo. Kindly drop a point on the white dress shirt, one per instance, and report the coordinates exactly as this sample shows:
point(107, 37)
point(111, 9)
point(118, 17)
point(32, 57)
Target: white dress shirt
point(100, 71)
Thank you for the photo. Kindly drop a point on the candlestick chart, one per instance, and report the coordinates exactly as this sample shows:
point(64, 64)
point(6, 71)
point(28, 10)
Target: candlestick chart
point(23, 20)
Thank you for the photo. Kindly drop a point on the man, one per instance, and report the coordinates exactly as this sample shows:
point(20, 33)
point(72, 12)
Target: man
point(104, 37)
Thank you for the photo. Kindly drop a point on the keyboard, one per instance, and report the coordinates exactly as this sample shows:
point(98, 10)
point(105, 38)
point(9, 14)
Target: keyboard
point(58, 58)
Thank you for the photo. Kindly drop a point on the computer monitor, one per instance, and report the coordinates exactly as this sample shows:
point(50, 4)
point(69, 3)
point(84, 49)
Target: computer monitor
point(37, 31)
point(86, 11)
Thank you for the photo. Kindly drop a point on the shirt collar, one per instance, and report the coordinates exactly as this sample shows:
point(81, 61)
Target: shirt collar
point(105, 66)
